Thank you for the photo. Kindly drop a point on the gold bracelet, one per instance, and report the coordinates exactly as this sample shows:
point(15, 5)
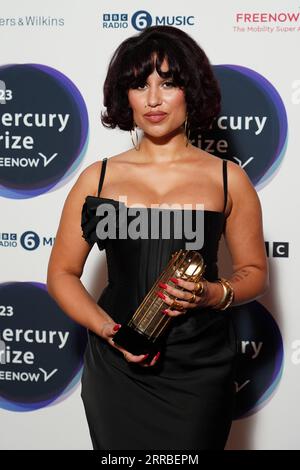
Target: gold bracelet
point(228, 295)
point(225, 290)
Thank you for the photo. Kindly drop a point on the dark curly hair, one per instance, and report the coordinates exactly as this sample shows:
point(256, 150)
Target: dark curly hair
point(135, 59)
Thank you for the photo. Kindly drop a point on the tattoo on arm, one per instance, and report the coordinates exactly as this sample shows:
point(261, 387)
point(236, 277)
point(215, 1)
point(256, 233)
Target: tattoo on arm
point(240, 275)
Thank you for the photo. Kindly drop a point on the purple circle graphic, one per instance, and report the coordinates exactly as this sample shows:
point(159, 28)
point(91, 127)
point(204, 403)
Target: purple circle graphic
point(251, 129)
point(41, 348)
point(44, 129)
point(259, 359)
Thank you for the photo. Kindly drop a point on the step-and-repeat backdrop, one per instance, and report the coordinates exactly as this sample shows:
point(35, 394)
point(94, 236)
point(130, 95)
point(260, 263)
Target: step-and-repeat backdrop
point(54, 57)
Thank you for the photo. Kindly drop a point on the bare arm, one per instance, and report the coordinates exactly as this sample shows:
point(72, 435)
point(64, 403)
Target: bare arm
point(66, 265)
point(244, 237)
point(68, 257)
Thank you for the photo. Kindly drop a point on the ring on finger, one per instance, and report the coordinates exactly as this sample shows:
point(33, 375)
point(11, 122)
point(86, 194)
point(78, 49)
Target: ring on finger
point(177, 306)
point(192, 299)
point(199, 287)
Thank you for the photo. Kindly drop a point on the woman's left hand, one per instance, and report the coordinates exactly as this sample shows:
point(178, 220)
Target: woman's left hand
point(183, 297)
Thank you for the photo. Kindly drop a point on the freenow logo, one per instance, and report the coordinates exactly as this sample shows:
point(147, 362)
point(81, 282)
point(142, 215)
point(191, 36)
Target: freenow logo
point(142, 19)
point(41, 348)
point(252, 127)
point(260, 357)
point(43, 129)
point(264, 17)
point(267, 22)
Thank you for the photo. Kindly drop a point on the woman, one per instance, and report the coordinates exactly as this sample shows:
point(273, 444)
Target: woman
point(161, 81)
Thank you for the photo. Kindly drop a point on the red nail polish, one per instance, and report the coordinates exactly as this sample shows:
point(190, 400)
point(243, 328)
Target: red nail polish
point(162, 296)
point(146, 355)
point(165, 312)
point(173, 279)
point(117, 327)
point(157, 356)
point(162, 285)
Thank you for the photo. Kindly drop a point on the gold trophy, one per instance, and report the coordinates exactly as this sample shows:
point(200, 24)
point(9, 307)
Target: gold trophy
point(144, 331)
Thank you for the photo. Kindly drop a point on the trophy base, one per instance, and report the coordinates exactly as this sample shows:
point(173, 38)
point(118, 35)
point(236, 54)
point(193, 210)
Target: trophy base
point(135, 342)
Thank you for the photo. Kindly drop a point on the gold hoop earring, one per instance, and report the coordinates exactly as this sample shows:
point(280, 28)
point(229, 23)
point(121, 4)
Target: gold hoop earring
point(135, 143)
point(186, 131)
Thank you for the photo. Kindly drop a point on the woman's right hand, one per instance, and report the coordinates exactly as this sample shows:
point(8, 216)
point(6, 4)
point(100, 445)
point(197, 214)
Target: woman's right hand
point(108, 331)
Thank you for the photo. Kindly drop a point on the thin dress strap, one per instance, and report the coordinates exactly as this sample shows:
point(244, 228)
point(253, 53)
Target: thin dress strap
point(103, 168)
point(225, 184)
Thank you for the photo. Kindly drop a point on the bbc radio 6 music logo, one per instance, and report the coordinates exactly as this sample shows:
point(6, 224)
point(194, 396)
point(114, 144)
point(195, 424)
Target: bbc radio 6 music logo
point(142, 19)
point(251, 129)
point(43, 129)
point(259, 358)
point(29, 240)
point(41, 348)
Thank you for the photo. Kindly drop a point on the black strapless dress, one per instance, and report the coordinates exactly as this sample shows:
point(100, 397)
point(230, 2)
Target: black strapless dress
point(186, 400)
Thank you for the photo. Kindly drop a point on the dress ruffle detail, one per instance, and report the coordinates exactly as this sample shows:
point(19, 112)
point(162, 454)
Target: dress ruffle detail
point(90, 219)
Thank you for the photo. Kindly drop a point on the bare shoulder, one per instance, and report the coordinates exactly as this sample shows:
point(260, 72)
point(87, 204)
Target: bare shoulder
point(238, 180)
point(128, 156)
point(208, 162)
point(88, 180)
point(239, 183)
point(240, 188)
point(243, 194)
